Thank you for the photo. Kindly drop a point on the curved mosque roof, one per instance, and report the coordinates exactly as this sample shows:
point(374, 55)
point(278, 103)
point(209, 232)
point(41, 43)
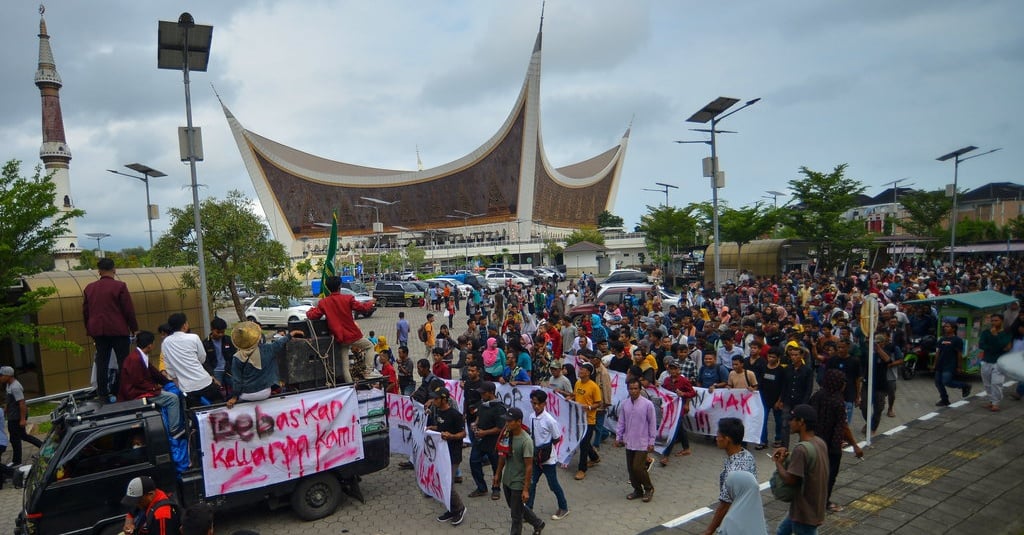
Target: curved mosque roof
point(507, 178)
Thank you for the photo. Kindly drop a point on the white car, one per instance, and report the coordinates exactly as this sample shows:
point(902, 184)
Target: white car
point(497, 279)
point(271, 311)
point(464, 290)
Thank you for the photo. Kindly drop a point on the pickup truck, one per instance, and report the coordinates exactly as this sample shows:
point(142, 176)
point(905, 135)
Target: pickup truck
point(233, 459)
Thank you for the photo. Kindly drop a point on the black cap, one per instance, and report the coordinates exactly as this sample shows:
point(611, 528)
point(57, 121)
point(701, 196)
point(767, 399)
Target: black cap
point(439, 393)
point(514, 414)
point(485, 387)
point(588, 366)
point(805, 413)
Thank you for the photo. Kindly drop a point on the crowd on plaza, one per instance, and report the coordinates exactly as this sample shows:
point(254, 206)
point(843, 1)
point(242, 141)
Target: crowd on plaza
point(796, 339)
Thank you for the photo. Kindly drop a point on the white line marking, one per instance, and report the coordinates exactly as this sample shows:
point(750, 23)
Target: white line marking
point(895, 430)
point(929, 416)
point(960, 403)
point(765, 486)
point(849, 449)
point(687, 517)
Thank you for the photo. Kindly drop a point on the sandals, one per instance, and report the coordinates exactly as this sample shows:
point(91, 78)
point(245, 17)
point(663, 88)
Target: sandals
point(683, 453)
point(664, 461)
point(835, 508)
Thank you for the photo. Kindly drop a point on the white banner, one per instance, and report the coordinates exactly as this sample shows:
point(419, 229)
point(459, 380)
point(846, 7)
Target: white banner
point(709, 407)
point(425, 449)
point(258, 444)
point(571, 417)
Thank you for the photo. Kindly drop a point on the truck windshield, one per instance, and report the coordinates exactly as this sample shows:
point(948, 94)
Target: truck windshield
point(43, 458)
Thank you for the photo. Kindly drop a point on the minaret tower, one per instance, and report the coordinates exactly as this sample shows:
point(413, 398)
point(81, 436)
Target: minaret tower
point(54, 152)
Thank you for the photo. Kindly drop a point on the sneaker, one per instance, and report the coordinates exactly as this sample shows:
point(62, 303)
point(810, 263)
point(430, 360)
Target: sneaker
point(458, 518)
point(495, 494)
point(446, 516)
point(942, 403)
point(405, 465)
point(966, 390)
point(560, 514)
point(580, 475)
point(538, 529)
point(477, 493)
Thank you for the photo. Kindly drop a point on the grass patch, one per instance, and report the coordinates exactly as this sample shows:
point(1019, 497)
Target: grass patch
point(43, 429)
point(42, 409)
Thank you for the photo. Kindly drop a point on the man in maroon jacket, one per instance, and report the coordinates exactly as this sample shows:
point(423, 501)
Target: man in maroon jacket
point(338, 308)
point(110, 320)
point(139, 380)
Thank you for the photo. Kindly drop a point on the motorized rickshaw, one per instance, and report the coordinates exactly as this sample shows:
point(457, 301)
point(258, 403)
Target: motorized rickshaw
point(968, 311)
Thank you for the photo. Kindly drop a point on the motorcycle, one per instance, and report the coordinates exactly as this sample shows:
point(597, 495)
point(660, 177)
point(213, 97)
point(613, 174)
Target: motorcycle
point(919, 357)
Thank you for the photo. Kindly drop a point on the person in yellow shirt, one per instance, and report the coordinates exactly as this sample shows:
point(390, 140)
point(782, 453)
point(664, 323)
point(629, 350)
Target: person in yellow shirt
point(587, 394)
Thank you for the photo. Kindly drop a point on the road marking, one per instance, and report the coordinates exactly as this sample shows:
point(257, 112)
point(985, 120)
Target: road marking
point(687, 517)
point(960, 403)
point(849, 449)
point(765, 486)
point(895, 430)
point(964, 454)
point(929, 416)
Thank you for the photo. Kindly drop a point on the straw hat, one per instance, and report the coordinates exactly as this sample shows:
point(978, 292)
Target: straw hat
point(246, 335)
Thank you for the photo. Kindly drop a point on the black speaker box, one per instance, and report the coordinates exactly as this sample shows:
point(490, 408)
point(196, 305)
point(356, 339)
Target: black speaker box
point(310, 328)
point(306, 360)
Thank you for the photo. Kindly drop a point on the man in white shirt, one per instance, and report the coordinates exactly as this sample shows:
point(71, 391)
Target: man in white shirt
point(183, 355)
point(546, 435)
point(728, 350)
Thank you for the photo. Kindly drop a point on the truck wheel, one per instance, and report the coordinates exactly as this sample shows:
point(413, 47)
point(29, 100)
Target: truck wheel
point(382, 302)
point(316, 496)
point(408, 302)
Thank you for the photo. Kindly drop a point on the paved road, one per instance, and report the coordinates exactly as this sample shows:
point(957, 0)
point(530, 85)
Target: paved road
point(394, 504)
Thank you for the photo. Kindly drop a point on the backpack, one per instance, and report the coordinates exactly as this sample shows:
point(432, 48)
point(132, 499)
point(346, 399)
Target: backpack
point(145, 523)
point(422, 333)
point(783, 491)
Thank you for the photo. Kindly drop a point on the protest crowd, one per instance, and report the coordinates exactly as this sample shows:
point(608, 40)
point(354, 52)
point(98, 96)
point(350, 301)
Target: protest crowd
point(637, 375)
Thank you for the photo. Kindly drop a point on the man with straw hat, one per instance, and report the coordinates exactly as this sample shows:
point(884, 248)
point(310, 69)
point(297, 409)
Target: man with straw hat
point(254, 368)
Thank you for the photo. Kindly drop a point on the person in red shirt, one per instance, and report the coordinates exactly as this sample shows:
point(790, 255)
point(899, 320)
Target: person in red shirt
point(338, 308)
point(387, 370)
point(439, 368)
point(109, 317)
point(678, 384)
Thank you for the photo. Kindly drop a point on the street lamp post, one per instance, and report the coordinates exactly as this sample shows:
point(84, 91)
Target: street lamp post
point(711, 112)
point(147, 173)
point(465, 217)
point(956, 157)
point(774, 196)
point(378, 227)
point(185, 46)
point(98, 236)
point(664, 189)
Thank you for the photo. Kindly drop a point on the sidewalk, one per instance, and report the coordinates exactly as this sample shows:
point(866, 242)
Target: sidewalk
point(957, 470)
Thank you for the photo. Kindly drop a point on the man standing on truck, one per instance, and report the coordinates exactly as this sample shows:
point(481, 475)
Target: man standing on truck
point(109, 317)
point(184, 355)
point(140, 380)
point(338, 309)
point(153, 512)
point(17, 414)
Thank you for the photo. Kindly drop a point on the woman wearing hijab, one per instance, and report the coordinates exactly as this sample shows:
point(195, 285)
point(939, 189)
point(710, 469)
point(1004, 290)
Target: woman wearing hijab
point(494, 360)
point(746, 514)
point(254, 369)
point(832, 426)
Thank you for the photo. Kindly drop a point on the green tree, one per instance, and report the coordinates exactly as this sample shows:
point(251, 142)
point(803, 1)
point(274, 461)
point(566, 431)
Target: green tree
point(666, 230)
point(974, 231)
point(926, 212)
point(589, 234)
point(607, 219)
point(744, 225)
point(131, 257)
point(551, 250)
point(822, 199)
point(238, 247)
point(30, 224)
point(415, 256)
point(1015, 227)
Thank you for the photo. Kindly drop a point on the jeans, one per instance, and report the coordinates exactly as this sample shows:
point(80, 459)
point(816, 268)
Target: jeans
point(849, 412)
point(476, 465)
point(120, 345)
point(788, 526)
point(764, 424)
point(877, 403)
point(17, 433)
point(587, 452)
point(993, 379)
point(172, 403)
point(602, 432)
point(680, 436)
point(519, 511)
point(551, 474)
point(456, 502)
point(944, 379)
point(787, 415)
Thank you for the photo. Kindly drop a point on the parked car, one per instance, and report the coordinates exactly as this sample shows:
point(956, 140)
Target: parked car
point(625, 275)
point(272, 311)
point(394, 293)
point(464, 289)
point(362, 298)
point(610, 295)
point(407, 276)
point(497, 279)
point(552, 274)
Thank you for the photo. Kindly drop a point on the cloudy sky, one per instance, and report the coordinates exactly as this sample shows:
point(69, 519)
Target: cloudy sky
point(883, 86)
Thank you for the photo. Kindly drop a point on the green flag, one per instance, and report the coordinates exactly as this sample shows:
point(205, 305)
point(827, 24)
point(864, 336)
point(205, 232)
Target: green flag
point(332, 247)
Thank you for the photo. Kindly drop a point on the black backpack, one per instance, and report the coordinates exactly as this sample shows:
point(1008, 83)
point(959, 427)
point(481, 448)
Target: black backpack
point(173, 524)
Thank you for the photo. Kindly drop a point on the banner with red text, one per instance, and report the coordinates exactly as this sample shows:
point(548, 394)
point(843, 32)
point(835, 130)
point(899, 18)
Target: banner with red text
point(257, 444)
point(710, 406)
point(668, 408)
point(571, 418)
point(403, 415)
point(425, 449)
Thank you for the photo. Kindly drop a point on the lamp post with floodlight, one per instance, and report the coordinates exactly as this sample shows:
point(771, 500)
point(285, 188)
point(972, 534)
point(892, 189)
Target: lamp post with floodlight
point(956, 157)
point(147, 173)
point(465, 217)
